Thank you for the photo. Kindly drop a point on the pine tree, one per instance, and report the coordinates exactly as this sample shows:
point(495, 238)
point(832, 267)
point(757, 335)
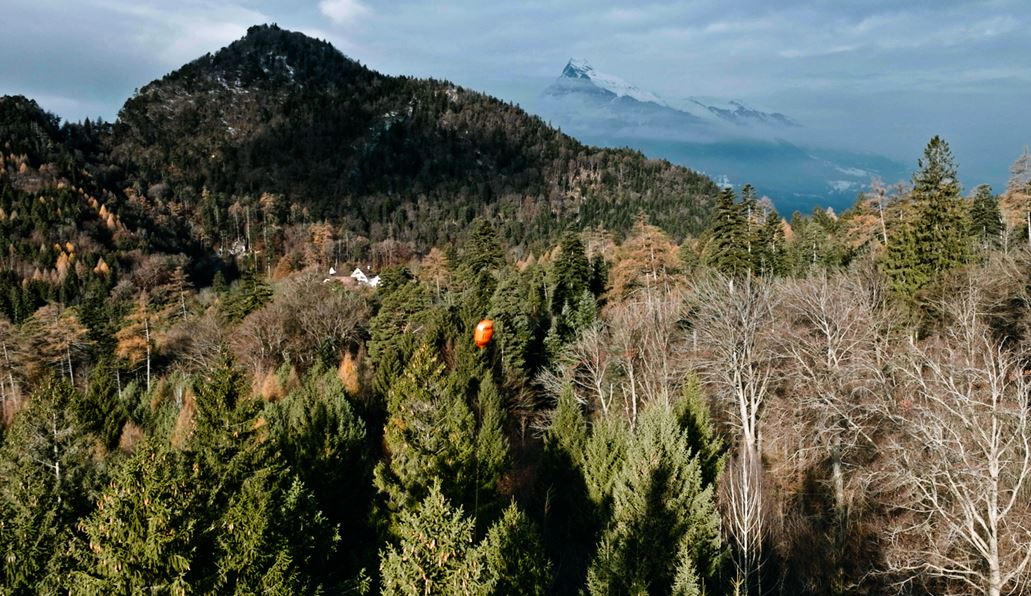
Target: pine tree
point(658, 499)
point(727, 249)
point(985, 217)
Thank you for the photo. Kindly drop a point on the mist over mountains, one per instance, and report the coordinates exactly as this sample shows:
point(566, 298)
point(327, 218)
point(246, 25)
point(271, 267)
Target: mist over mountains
point(728, 139)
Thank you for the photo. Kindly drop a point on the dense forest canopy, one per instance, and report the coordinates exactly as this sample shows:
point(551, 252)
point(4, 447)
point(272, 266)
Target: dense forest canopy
point(685, 392)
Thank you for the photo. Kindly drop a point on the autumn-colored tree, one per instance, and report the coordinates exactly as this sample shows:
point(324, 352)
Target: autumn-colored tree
point(646, 259)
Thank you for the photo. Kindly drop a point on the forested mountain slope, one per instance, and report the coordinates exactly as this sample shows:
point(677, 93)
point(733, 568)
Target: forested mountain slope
point(279, 112)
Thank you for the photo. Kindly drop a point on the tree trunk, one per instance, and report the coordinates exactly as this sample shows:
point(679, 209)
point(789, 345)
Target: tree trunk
point(146, 330)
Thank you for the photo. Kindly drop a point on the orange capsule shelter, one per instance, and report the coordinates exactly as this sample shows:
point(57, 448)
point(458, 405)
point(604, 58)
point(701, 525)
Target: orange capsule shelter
point(484, 331)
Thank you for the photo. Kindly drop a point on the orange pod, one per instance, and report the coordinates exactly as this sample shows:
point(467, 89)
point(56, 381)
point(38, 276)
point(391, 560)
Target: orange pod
point(484, 331)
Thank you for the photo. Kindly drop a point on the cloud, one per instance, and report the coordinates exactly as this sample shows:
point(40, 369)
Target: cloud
point(343, 12)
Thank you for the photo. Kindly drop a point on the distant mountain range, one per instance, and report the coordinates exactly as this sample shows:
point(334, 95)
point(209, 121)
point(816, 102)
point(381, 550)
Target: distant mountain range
point(729, 140)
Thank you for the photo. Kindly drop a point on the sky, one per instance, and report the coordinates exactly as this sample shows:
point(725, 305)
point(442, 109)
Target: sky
point(873, 75)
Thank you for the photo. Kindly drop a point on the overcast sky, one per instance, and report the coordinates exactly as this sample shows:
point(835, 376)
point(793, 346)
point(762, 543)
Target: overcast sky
point(873, 75)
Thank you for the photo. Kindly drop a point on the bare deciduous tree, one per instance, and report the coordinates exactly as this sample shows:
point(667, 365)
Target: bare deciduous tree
point(960, 467)
point(733, 320)
point(835, 340)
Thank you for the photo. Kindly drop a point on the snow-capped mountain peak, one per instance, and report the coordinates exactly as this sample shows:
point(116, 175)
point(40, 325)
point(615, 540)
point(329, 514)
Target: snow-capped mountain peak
point(581, 69)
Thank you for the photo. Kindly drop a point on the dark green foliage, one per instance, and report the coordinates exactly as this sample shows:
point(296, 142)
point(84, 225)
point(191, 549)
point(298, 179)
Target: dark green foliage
point(481, 259)
point(658, 498)
point(322, 440)
point(100, 409)
point(491, 444)
point(272, 538)
point(403, 316)
point(572, 272)
point(512, 556)
point(516, 325)
point(247, 295)
point(727, 249)
point(693, 415)
point(144, 533)
point(934, 236)
point(568, 517)
point(434, 554)
point(429, 437)
point(604, 456)
point(985, 218)
point(768, 258)
point(47, 476)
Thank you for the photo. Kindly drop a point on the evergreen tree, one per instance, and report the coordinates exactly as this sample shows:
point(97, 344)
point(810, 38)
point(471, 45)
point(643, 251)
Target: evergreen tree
point(768, 247)
point(142, 537)
point(727, 249)
point(482, 257)
point(512, 556)
point(47, 475)
point(99, 410)
point(429, 436)
point(693, 415)
point(569, 519)
point(572, 272)
point(272, 538)
point(514, 325)
point(658, 499)
point(604, 456)
point(935, 238)
point(321, 439)
point(985, 217)
point(434, 553)
point(246, 296)
point(404, 311)
point(491, 445)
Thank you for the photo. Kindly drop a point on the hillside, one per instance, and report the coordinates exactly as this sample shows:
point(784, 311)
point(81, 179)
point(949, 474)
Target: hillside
point(279, 112)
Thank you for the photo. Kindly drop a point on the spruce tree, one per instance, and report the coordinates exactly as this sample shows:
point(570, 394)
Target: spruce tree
point(727, 249)
point(481, 258)
point(317, 433)
point(693, 415)
point(934, 237)
point(572, 272)
point(985, 218)
point(512, 556)
point(272, 538)
point(568, 516)
point(658, 499)
point(434, 553)
point(491, 445)
point(142, 537)
point(429, 437)
point(48, 471)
